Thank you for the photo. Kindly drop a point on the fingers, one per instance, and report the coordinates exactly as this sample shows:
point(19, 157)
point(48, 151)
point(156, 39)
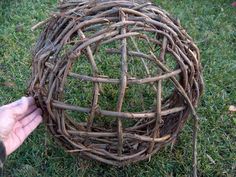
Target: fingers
point(21, 106)
point(28, 100)
point(16, 138)
point(30, 110)
point(20, 133)
point(21, 129)
point(29, 128)
point(29, 118)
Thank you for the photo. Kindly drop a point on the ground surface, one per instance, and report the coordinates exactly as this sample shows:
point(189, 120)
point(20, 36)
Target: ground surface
point(210, 23)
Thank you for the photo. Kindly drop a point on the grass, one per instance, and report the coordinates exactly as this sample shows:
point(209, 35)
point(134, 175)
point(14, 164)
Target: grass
point(210, 23)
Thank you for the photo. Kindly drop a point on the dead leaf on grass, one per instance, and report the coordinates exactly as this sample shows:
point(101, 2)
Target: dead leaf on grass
point(8, 84)
point(232, 108)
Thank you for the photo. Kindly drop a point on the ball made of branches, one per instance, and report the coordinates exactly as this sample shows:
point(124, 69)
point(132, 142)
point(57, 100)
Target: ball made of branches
point(117, 80)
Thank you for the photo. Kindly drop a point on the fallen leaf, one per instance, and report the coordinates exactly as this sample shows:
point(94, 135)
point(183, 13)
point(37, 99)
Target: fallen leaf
point(232, 108)
point(8, 84)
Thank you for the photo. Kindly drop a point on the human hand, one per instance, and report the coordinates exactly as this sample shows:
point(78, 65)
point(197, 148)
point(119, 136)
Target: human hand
point(17, 121)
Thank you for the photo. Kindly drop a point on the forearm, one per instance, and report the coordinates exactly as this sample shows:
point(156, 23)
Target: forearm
point(2, 156)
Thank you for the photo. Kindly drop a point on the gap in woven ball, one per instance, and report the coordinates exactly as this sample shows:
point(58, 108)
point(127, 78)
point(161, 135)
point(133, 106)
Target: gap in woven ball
point(138, 97)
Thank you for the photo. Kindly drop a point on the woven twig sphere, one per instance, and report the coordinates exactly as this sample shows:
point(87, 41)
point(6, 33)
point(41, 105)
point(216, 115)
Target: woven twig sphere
point(117, 80)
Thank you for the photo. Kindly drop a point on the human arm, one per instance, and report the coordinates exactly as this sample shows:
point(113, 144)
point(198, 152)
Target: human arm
point(17, 121)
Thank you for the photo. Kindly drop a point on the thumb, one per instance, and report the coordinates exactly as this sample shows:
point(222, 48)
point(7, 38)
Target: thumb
point(19, 107)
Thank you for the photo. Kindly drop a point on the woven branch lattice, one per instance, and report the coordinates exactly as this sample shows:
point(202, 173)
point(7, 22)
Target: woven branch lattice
point(155, 55)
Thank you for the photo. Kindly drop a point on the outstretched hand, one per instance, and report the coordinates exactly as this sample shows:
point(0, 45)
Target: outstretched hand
point(17, 121)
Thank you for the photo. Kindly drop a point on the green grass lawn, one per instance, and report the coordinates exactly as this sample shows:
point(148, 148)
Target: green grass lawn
point(212, 24)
